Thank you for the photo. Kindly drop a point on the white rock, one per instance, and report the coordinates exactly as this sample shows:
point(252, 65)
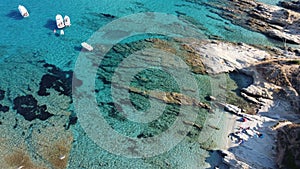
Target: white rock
point(233, 109)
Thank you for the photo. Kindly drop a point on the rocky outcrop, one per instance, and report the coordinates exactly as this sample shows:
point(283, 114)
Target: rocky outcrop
point(219, 57)
point(258, 91)
point(230, 160)
point(288, 147)
point(273, 21)
point(285, 75)
point(282, 73)
point(280, 124)
point(278, 81)
point(271, 75)
point(292, 5)
point(232, 109)
point(257, 94)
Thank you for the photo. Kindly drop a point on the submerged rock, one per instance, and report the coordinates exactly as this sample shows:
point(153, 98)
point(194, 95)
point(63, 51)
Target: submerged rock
point(172, 98)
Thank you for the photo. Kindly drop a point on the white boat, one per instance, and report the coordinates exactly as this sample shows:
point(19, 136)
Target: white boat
point(62, 32)
point(59, 21)
point(23, 11)
point(67, 21)
point(87, 46)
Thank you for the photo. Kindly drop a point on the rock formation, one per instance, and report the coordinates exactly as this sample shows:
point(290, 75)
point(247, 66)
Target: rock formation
point(230, 160)
point(292, 5)
point(288, 146)
point(286, 76)
point(273, 21)
point(171, 97)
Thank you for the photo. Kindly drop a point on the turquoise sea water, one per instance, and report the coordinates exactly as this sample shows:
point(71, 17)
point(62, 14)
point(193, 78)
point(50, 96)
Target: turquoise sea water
point(41, 128)
point(36, 32)
point(271, 2)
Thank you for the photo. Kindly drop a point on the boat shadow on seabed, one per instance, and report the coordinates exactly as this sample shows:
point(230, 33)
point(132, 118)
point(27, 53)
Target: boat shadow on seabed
point(14, 14)
point(51, 24)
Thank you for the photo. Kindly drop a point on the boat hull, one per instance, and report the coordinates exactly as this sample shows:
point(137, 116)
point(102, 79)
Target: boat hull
point(67, 21)
point(59, 21)
point(23, 11)
point(86, 46)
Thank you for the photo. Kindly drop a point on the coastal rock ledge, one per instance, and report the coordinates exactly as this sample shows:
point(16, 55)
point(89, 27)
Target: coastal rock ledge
point(273, 21)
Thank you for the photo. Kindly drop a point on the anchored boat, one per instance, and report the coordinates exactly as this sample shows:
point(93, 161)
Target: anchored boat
point(67, 20)
point(87, 46)
point(23, 11)
point(59, 21)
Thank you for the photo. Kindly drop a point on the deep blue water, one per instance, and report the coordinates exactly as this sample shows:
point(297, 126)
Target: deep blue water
point(29, 45)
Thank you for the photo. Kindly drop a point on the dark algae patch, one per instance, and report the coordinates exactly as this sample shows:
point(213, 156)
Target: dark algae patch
point(2, 94)
point(2, 107)
point(28, 107)
point(57, 79)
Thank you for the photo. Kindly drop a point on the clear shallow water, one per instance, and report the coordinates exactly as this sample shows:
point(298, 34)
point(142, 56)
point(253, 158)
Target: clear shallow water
point(271, 2)
point(36, 32)
point(28, 44)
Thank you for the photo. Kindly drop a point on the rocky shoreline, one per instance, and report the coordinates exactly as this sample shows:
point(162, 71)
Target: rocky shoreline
point(292, 5)
point(276, 86)
point(276, 82)
point(273, 21)
point(275, 71)
point(274, 94)
point(274, 91)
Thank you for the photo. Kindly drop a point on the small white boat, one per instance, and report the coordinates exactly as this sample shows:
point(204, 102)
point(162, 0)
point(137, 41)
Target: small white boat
point(62, 32)
point(87, 46)
point(67, 21)
point(59, 21)
point(23, 11)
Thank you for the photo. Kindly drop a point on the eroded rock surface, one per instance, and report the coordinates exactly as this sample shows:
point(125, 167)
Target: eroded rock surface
point(219, 57)
point(292, 5)
point(273, 21)
point(286, 75)
point(288, 146)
